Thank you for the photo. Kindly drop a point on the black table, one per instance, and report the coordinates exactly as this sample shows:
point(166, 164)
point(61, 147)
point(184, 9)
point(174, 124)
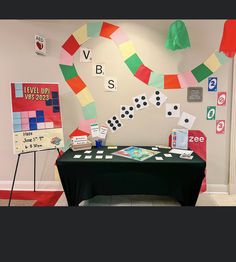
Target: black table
point(84, 178)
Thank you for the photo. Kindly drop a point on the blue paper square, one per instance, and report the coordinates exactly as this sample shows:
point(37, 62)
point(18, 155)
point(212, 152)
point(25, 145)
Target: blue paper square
point(16, 115)
point(56, 109)
point(17, 128)
point(55, 102)
point(17, 121)
point(33, 126)
point(32, 120)
point(54, 94)
point(49, 102)
point(18, 86)
point(19, 93)
point(39, 113)
point(40, 119)
point(212, 84)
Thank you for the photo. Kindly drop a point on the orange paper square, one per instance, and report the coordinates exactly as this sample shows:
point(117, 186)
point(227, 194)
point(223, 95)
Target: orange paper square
point(108, 29)
point(171, 82)
point(76, 84)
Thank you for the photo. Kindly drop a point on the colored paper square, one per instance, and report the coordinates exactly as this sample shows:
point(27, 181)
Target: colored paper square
point(65, 58)
point(32, 113)
point(68, 71)
point(56, 109)
point(33, 126)
point(201, 72)
point(54, 94)
point(17, 128)
point(40, 125)
point(49, 125)
point(32, 120)
point(119, 36)
point(127, 49)
point(222, 57)
point(17, 121)
point(171, 82)
point(76, 84)
point(108, 29)
point(187, 79)
point(85, 97)
point(19, 93)
point(40, 119)
point(133, 63)
point(94, 29)
point(84, 125)
point(18, 86)
point(16, 115)
point(55, 102)
point(156, 80)
point(39, 113)
point(25, 127)
point(24, 114)
point(81, 34)
point(143, 73)
point(212, 63)
point(71, 45)
point(24, 121)
point(78, 132)
point(89, 111)
point(49, 102)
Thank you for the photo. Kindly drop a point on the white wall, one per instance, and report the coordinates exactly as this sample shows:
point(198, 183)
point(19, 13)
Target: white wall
point(18, 62)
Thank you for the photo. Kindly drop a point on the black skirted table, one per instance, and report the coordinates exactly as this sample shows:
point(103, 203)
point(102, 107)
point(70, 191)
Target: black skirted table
point(84, 178)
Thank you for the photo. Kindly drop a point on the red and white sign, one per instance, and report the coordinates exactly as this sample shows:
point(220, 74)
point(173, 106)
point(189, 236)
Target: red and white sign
point(220, 126)
point(221, 98)
point(40, 45)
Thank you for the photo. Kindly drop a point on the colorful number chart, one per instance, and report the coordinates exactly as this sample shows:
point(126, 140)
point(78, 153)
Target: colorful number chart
point(36, 116)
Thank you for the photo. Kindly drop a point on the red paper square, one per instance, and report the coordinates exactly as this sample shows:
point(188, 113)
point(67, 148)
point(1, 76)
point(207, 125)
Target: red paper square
point(143, 73)
point(71, 45)
point(108, 29)
point(171, 82)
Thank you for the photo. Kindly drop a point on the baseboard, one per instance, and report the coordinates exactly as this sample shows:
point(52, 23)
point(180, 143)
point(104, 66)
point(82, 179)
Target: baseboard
point(217, 188)
point(29, 185)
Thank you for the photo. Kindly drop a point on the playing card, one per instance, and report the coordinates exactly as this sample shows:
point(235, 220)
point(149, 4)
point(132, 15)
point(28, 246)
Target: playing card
point(172, 110)
point(126, 112)
point(158, 99)
point(114, 123)
point(140, 102)
point(186, 120)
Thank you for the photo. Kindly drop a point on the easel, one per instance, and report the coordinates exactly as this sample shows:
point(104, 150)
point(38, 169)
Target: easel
point(18, 159)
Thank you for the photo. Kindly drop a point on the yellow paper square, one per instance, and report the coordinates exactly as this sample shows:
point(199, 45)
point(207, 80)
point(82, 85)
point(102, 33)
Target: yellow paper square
point(127, 49)
point(81, 34)
point(212, 63)
point(56, 174)
point(85, 97)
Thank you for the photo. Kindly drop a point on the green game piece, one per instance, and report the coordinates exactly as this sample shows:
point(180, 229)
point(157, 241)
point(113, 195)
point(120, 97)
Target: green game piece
point(222, 57)
point(177, 37)
point(133, 63)
point(68, 71)
point(201, 72)
point(211, 113)
point(89, 111)
point(156, 80)
point(94, 29)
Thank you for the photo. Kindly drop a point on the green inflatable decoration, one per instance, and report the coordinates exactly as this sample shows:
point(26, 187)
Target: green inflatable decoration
point(177, 37)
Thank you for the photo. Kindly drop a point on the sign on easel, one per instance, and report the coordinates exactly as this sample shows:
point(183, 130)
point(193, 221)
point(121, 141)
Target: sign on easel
point(36, 116)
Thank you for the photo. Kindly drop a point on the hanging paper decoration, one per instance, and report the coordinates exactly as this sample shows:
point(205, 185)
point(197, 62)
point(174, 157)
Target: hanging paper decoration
point(177, 37)
point(228, 41)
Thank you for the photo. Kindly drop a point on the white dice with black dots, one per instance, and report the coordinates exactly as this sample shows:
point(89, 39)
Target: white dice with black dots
point(158, 99)
point(114, 123)
point(126, 112)
point(140, 102)
point(172, 110)
point(186, 120)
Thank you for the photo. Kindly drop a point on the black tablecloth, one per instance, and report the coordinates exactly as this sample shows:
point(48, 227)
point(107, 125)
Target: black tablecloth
point(84, 178)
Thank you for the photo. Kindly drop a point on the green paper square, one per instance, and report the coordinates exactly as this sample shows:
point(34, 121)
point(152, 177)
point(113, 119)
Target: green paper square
point(156, 80)
point(89, 111)
point(68, 71)
point(201, 72)
point(222, 57)
point(94, 29)
point(133, 63)
point(211, 113)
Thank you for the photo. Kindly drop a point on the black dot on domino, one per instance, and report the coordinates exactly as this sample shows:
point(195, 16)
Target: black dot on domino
point(126, 112)
point(144, 103)
point(119, 125)
point(114, 118)
point(138, 105)
point(131, 108)
point(122, 116)
point(114, 128)
point(169, 113)
point(157, 92)
point(123, 108)
point(157, 98)
point(175, 107)
point(109, 121)
point(117, 121)
point(186, 120)
point(158, 103)
point(143, 97)
point(130, 116)
point(136, 100)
